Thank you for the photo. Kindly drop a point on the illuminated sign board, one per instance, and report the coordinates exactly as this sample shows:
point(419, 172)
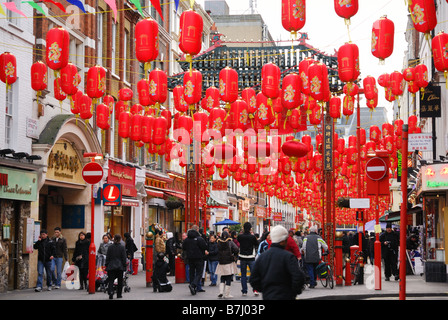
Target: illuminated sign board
point(434, 177)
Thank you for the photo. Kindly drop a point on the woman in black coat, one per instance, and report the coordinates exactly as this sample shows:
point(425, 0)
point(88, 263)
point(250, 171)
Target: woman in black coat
point(115, 266)
point(81, 258)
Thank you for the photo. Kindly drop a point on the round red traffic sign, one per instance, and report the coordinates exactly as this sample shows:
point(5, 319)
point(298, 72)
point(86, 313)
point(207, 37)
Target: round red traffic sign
point(111, 193)
point(376, 168)
point(92, 173)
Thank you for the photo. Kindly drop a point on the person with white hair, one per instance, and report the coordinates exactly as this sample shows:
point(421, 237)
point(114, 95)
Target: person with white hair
point(312, 250)
point(267, 279)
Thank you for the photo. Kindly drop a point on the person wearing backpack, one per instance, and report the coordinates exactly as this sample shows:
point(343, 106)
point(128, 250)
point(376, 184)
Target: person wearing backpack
point(312, 249)
point(130, 249)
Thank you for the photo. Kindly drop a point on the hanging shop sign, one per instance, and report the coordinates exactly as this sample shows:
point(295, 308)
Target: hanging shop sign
point(64, 164)
point(434, 177)
point(18, 185)
point(219, 185)
point(420, 142)
point(112, 195)
point(430, 103)
point(328, 143)
point(260, 212)
point(123, 175)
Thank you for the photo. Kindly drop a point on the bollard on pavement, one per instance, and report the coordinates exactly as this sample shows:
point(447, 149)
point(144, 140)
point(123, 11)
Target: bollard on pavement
point(180, 273)
point(149, 258)
point(338, 258)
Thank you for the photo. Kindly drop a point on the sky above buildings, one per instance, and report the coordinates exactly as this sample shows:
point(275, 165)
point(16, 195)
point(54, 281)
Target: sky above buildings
point(327, 31)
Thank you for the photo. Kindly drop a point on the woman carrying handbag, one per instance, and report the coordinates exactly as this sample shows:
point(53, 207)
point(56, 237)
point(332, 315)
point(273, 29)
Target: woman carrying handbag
point(227, 255)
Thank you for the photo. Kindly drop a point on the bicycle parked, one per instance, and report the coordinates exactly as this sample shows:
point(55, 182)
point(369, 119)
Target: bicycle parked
point(355, 267)
point(325, 273)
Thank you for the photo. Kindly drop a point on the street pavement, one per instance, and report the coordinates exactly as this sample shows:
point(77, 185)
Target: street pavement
point(416, 287)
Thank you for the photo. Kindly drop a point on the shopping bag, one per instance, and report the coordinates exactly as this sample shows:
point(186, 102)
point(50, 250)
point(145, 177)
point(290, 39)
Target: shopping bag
point(64, 271)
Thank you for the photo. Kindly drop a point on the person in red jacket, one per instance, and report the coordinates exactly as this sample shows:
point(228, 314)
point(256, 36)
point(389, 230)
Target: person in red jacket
point(292, 247)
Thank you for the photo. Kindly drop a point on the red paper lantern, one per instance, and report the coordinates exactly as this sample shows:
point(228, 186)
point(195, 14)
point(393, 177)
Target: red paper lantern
point(384, 80)
point(8, 68)
point(70, 79)
point(370, 89)
point(348, 106)
point(270, 81)
point(351, 89)
point(423, 13)
point(96, 82)
point(293, 15)
point(158, 86)
point(185, 124)
point(440, 53)
point(249, 95)
point(120, 107)
point(136, 109)
point(179, 101)
point(303, 72)
point(295, 149)
point(387, 130)
point(211, 99)
point(383, 31)
point(264, 113)
point(228, 85)
point(192, 87)
point(124, 123)
point(291, 91)
point(102, 116)
point(76, 100)
point(159, 131)
point(294, 119)
point(167, 115)
point(421, 76)
point(85, 107)
point(397, 83)
point(146, 40)
point(57, 48)
point(200, 125)
point(190, 39)
point(39, 76)
point(260, 150)
point(346, 9)
point(222, 152)
point(319, 85)
point(144, 97)
point(316, 116)
point(335, 107)
point(216, 123)
point(348, 62)
point(58, 93)
point(409, 74)
point(125, 94)
point(146, 129)
point(238, 117)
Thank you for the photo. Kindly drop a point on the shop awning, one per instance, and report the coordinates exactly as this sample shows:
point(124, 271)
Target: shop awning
point(180, 195)
point(154, 193)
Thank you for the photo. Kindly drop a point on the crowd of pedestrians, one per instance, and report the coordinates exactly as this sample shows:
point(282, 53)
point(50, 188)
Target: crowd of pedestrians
point(277, 264)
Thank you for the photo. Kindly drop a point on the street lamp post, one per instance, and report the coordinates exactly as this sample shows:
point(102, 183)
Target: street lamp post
point(92, 176)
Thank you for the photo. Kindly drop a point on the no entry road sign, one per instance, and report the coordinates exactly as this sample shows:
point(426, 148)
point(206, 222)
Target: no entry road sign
point(92, 173)
point(376, 169)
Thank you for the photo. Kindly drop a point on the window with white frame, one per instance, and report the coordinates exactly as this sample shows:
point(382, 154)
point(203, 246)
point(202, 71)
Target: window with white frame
point(126, 77)
point(100, 21)
point(9, 116)
point(14, 17)
point(114, 47)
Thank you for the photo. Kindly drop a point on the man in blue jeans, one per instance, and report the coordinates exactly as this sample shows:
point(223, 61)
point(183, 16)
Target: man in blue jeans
point(248, 249)
point(312, 247)
point(61, 252)
point(45, 255)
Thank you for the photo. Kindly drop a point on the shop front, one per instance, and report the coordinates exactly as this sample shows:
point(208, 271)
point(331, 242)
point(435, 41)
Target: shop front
point(126, 217)
point(64, 198)
point(432, 192)
point(18, 193)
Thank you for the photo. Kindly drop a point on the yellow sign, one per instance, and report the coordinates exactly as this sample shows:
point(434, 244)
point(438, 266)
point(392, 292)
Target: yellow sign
point(64, 164)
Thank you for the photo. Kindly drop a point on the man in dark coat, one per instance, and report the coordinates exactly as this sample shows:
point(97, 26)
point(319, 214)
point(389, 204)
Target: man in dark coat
point(276, 273)
point(115, 266)
point(195, 247)
point(248, 250)
point(46, 251)
point(389, 251)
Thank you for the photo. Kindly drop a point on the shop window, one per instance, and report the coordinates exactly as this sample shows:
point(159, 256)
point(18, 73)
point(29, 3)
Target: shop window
point(435, 229)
